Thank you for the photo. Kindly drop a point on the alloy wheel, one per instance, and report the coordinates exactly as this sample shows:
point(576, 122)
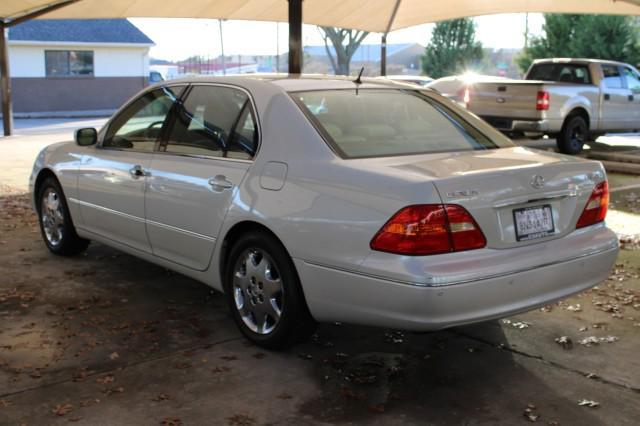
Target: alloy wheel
point(258, 291)
point(52, 216)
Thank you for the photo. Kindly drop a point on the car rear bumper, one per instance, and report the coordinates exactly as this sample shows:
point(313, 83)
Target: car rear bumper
point(339, 295)
point(514, 125)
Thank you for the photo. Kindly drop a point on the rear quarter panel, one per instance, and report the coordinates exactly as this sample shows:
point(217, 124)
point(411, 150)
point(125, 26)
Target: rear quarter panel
point(329, 209)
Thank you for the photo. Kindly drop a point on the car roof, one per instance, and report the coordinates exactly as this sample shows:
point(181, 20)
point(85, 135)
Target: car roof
point(294, 82)
point(580, 61)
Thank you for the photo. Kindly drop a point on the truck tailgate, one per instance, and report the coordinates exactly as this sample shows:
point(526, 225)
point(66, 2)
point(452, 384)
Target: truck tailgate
point(512, 100)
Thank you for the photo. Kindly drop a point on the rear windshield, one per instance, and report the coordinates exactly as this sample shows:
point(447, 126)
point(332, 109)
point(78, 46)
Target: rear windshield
point(566, 73)
point(388, 122)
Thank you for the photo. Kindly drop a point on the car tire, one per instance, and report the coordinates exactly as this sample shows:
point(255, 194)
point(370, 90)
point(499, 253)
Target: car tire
point(264, 293)
point(572, 137)
point(56, 225)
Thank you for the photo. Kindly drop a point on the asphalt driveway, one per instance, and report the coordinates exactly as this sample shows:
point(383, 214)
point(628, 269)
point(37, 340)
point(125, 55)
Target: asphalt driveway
point(105, 338)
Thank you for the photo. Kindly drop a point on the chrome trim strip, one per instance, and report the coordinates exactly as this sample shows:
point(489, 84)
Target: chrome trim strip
point(182, 231)
point(435, 284)
point(536, 200)
point(107, 210)
point(150, 222)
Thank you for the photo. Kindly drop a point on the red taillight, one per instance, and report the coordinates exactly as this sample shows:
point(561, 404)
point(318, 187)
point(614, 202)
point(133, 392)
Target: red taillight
point(542, 101)
point(465, 95)
point(596, 209)
point(429, 229)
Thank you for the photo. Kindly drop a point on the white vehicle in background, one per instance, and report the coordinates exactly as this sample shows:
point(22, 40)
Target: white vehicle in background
point(457, 87)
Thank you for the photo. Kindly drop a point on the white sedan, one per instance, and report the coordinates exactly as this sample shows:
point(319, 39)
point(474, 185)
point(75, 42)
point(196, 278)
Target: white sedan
point(323, 199)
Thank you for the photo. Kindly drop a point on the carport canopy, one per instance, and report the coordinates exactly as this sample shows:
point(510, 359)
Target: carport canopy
point(380, 16)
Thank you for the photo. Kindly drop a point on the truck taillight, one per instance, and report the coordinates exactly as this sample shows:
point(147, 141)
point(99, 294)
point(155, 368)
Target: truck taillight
point(542, 101)
point(465, 95)
point(428, 229)
point(596, 209)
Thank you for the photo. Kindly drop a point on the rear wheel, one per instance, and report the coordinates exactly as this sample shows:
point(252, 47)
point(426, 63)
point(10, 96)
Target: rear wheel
point(573, 135)
point(56, 226)
point(264, 293)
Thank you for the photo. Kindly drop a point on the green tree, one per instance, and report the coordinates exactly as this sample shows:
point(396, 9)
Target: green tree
point(345, 43)
point(584, 36)
point(452, 48)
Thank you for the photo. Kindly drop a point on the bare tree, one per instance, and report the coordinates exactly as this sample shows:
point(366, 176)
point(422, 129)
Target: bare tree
point(345, 43)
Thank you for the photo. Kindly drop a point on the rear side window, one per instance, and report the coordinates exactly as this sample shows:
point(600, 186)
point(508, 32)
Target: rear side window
point(214, 121)
point(373, 123)
point(565, 73)
point(612, 78)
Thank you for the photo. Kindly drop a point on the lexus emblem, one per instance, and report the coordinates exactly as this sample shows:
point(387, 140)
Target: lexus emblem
point(537, 181)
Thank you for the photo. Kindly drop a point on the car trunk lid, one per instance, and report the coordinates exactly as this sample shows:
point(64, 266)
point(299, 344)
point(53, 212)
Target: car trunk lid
point(496, 185)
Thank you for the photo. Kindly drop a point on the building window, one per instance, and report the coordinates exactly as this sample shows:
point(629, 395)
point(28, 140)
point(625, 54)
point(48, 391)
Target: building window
point(64, 63)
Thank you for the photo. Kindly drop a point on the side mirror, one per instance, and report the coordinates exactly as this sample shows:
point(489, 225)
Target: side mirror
point(86, 137)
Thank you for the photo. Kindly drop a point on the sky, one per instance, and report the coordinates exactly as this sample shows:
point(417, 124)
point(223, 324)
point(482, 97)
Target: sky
point(180, 38)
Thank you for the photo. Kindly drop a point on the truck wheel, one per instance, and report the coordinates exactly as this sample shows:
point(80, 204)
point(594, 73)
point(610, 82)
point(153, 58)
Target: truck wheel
point(573, 135)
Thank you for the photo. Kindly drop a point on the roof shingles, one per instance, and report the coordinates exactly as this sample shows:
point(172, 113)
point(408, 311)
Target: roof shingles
point(79, 31)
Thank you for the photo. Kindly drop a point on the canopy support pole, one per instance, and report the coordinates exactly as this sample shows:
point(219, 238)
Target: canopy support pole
point(295, 36)
point(5, 76)
point(383, 44)
point(5, 81)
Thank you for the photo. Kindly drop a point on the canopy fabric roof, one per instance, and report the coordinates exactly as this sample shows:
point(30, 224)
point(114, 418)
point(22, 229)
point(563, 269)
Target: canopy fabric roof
point(370, 15)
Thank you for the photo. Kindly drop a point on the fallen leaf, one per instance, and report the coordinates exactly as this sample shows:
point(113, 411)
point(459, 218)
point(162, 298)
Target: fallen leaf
point(588, 403)
point(220, 369)
point(62, 409)
point(565, 342)
point(171, 421)
point(161, 397)
point(376, 408)
point(105, 380)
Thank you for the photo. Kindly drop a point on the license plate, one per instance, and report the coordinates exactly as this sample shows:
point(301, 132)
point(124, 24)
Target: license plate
point(533, 222)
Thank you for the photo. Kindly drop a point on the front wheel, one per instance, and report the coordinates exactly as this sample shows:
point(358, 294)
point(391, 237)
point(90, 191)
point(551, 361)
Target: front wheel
point(264, 293)
point(573, 135)
point(56, 226)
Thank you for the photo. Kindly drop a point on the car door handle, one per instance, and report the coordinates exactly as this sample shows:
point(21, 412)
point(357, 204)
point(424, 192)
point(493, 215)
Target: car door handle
point(220, 182)
point(137, 171)
point(607, 96)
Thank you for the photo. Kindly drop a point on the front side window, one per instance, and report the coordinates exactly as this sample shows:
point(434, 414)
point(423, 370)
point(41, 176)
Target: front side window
point(374, 123)
point(612, 78)
point(139, 126)
point(214, 121)
point(632, 78)
point(68, 63)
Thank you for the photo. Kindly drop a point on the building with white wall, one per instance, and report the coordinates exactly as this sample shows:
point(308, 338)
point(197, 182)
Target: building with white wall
point(76, 65)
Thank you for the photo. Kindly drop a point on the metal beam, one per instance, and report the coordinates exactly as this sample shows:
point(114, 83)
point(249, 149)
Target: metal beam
point(295, 36)
point(383, 44)
point(34, 13)
point(5, 81)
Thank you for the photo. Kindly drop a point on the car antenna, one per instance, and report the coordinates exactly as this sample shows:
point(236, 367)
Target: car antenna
point(358, 80)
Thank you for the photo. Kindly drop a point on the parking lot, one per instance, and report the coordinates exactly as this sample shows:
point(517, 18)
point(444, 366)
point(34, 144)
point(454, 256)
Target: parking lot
point(105, 338)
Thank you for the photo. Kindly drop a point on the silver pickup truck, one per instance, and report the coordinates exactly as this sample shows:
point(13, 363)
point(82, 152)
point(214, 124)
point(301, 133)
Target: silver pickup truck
point(572, 100)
